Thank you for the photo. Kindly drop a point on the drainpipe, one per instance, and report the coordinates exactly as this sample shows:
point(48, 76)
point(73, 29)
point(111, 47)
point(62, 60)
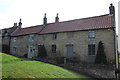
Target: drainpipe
point(115, 47)
point(10, 45)
point(112, 12)
point(116, 53)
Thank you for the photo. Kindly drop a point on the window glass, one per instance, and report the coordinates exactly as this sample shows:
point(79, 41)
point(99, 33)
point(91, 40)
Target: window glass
point(54, 36)
point(31, 38)
point(53, 48)
point(91, 49)
point(91, 34)
point(14, 39)
point(14, 49)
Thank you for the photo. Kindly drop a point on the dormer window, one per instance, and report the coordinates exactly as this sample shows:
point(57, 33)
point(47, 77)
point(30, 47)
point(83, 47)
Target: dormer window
point(31, 37)
point(91, 34)
point(54, 36)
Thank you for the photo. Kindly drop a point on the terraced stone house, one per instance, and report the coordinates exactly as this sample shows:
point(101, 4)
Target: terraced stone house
point(5, 37)
point(75, 38)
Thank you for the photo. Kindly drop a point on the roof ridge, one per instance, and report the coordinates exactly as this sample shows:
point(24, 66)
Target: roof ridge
point(32, 26)
point(9, 28)
point(85, 18)
point(78, 19)
point(76, 24)
point(66, 21)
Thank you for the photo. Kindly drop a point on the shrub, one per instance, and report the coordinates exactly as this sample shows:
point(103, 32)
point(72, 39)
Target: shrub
point(59, 60)
point(73, 59)
point(117, 71)
point(25, 55)
point(100, 57)
point(42, 51)
point(5, 49)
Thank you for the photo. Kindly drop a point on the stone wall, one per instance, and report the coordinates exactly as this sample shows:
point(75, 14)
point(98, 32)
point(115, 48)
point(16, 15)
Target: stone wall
point(22, 44)
point(80, 41)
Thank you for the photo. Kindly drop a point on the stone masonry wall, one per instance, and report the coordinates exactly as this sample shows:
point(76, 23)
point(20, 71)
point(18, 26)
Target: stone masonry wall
point(80, 41)
point(22, 44)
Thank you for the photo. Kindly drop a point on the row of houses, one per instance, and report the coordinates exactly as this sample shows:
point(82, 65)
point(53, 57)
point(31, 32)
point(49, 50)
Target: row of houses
point(74, 38)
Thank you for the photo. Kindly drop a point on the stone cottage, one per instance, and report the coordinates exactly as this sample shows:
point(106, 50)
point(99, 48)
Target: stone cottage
point(5, 37)
point(75, 38)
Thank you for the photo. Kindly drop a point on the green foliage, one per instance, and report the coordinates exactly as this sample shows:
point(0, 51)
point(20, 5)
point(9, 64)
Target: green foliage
point(100, 57)
point(5, 48)
point(117, 71)
point(59, 60)
point(13, 67)
point(73, 59)
point(42, 51)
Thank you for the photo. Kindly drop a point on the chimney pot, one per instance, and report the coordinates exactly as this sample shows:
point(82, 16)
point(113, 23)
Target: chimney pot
point(20, 23)
point(112, 9)
point(15, 25)
point(45, 19)
point(57, 18)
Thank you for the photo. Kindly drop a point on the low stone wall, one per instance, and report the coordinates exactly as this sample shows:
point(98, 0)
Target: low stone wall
point(96, 71)
point(92, 70)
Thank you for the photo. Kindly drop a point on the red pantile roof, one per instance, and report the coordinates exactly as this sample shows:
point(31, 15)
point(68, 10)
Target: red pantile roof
point(97, 22)
point(28, 30)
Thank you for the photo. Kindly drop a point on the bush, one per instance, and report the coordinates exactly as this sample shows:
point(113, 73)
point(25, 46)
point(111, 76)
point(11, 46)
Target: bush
point(5, 49)
point(117, 71)
point(73, 59)
point(42, 51)
point(25, 55)
point(59, 60)
point(100, 57)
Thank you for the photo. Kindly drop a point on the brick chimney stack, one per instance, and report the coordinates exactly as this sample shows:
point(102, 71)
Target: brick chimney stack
point(57, 18)
point(20, 23)
point(112, 9)
point(45, 19)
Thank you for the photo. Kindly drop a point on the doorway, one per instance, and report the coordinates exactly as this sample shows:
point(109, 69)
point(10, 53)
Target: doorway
point(69, 50)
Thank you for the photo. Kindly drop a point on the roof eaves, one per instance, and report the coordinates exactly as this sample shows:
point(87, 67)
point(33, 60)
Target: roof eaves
point(77, 30)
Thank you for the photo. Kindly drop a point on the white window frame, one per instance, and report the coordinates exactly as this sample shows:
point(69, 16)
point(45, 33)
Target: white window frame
point(14, 48)
point(14, 39)
point(54, 36)
point(31, 37)
point(91, 34)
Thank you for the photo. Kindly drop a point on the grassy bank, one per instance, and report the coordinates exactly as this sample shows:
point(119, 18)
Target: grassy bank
point(13, 67)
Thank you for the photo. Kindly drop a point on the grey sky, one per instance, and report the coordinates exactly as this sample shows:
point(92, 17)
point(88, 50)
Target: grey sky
point(32, 11)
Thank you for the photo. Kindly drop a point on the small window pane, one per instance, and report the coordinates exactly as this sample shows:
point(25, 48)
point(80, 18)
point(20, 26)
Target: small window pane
point(91, 34)
point(31, 38)
point(14, 39)
point(14, 49)
point(53, 48)
point(54, 36)
point(91, 49)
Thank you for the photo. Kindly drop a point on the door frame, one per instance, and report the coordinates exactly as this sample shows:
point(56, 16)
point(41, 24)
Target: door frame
point(71, 55)
point(30, 54)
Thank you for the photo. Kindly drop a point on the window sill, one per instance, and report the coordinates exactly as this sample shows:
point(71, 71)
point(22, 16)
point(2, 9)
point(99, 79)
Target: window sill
point(53, 52)
point(91, 37)
point(91, 55)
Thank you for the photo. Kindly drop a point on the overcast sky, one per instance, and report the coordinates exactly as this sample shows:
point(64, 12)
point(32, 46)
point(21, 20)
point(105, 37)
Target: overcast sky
point(32, 11)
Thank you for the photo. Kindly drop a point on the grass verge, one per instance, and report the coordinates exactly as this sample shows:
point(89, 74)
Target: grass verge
point(13, 67)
